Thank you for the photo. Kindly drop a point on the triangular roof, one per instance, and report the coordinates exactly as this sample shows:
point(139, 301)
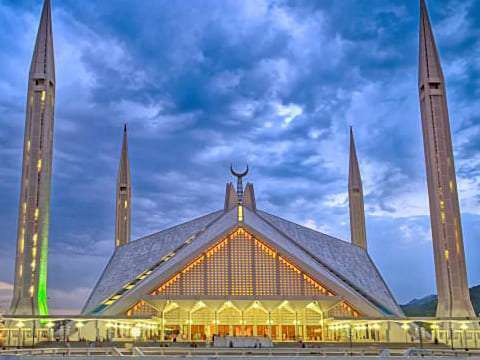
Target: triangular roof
point(345, 268)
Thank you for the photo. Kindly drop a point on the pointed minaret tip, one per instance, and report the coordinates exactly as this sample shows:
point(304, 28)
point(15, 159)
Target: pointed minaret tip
point(355, 199)
point(43, 62)
point(354, 177)
point(430, 68)
point(124, 195)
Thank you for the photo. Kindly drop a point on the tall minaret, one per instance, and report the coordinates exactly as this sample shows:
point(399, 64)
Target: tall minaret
point(355, 198)
point(451, 274)
point(30, 290)
point(124, 195)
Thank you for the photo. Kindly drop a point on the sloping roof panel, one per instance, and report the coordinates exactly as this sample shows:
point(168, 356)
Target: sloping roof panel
point(131, 259)
point(349, 262)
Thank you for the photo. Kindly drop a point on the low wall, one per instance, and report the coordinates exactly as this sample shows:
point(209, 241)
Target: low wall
point(229, 357)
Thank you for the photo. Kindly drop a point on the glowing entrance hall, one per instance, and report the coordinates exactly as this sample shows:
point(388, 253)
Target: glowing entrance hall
point(268, 295)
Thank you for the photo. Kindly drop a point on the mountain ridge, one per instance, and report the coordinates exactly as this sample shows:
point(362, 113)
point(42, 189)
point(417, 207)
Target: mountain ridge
point(427, 305)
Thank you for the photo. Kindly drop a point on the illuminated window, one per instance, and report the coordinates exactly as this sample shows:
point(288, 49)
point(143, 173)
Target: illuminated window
point(39, 165)
point(253, 271)
point(342, 310)
point(142, 308)
point(265, 270)
point(446, 255)
point(217, 269)
point(241, 264)
point(193, 278)
point(240, 213)
point(290, 278)
point(442, 217)
point(125, 205)
point(42, 96)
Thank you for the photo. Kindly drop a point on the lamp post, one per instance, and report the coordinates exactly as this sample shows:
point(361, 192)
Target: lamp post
point(79, 326)
point(34, 323)
point(405, 328)
point(50, 326)
point(350, 338)
point(420, 331)
point(19, 326)
point(376, 329)
point(464, 327)
point(451, 335)
point(136, 332)
point(110, 331)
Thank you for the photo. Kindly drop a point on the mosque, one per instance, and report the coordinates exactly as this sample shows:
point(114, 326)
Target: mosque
point(238, 271)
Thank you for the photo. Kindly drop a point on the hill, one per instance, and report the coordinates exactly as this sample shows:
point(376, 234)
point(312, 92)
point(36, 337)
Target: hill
point(427, 305)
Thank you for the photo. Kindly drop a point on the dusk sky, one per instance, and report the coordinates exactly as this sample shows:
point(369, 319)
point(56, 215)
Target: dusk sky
point(274, 84)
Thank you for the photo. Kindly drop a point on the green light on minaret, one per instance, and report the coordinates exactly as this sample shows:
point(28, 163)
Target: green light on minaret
point(42, 276)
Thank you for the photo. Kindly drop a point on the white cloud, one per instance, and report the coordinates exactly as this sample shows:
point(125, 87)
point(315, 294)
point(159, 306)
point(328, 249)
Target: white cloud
point(288, 113)
point(414, 234)
point(336, 200)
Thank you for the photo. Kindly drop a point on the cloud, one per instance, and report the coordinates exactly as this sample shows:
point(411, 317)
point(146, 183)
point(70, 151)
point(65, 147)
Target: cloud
point(274, 84)
point(6, 290)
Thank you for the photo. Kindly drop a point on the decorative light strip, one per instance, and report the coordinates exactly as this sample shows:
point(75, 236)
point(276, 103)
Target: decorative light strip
point(130, 285)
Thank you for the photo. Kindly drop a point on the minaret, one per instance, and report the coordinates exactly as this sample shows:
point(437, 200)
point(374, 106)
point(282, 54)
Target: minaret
point(451, 274)
point(355, 199)
point(30, 290)
point(124, 195)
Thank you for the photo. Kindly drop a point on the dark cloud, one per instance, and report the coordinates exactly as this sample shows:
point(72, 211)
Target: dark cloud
point(271, 83)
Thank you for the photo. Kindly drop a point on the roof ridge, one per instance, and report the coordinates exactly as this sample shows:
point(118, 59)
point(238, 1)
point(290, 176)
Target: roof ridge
point(146, 237)
point(310, 229)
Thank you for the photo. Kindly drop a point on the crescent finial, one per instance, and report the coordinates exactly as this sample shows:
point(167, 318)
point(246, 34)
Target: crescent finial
point(239, 175)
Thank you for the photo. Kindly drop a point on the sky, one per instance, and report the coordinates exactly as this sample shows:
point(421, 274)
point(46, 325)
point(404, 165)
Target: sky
point(272, 83)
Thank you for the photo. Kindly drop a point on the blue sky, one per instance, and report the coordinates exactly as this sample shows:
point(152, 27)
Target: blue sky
point(273, 83)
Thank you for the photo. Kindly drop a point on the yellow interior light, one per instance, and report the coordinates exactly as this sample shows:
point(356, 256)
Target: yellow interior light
point(240, 213)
